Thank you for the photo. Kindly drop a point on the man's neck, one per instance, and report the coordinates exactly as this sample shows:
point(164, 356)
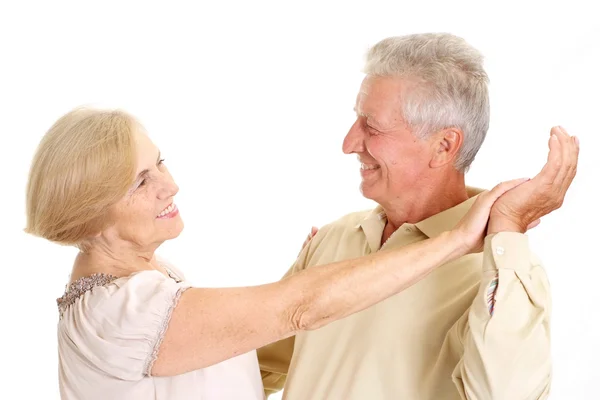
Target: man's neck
point(429, 201)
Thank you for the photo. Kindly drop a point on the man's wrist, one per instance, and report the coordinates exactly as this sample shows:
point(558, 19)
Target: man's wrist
point(504, 225)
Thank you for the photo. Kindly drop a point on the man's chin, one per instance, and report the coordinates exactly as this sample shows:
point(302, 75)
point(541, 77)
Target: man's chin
point(368, 191)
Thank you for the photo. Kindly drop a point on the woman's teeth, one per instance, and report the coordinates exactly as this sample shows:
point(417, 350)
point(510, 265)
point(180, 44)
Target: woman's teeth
point(166, 210)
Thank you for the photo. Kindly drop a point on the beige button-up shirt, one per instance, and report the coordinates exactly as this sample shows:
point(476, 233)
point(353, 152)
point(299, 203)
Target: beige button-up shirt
point(476, 328)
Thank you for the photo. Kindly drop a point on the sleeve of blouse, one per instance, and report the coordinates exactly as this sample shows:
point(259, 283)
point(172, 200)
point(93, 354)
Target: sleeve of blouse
point(119, 327)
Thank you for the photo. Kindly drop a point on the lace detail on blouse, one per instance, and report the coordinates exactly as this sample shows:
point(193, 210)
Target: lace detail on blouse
point(161, 333)
point(79, 287)
point(82, 285)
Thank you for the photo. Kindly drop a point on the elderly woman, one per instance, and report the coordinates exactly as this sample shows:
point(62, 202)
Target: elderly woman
point(131, 326)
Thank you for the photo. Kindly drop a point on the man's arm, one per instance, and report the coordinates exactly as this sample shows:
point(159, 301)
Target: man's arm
point(506, 336)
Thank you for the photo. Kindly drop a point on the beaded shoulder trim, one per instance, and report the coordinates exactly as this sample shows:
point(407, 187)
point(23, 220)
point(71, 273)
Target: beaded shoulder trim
point(77, 288)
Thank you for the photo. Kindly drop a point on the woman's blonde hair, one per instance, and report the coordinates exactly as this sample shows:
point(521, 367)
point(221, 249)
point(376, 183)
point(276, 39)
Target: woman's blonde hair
point(83, 165)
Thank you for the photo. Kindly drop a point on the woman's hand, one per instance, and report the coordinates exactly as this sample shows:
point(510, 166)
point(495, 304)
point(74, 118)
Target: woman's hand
point(470, 231)
point(312, 233)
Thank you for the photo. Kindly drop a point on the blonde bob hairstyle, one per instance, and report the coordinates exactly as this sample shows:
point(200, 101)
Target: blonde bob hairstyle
point(83, 165)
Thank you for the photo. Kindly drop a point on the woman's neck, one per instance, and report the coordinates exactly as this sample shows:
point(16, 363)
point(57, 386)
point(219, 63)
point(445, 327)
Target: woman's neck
point(119, 264)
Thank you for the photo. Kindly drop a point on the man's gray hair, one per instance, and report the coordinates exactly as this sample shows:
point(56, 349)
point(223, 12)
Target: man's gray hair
point(451, 85)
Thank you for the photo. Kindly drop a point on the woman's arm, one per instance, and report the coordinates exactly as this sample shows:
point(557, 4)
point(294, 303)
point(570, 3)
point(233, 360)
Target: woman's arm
point(212, 325)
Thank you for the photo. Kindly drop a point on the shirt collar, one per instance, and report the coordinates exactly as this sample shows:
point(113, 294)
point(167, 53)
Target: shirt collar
point(433, 226)
point(447, 219)
point(372, 226)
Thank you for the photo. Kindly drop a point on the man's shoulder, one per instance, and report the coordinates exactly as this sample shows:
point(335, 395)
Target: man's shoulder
point(339, 229)
point(350, 220)
point(332, 238)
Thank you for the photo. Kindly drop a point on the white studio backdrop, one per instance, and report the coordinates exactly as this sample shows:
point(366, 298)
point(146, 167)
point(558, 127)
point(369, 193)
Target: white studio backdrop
point(249, 103)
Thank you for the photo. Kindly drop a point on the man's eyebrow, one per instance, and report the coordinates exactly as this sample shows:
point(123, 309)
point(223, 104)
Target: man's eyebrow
point(362, 114)
point(368, 116)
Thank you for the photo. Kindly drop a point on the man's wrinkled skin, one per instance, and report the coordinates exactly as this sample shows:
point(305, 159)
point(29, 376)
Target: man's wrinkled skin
point(521, 208)
point(527, 203)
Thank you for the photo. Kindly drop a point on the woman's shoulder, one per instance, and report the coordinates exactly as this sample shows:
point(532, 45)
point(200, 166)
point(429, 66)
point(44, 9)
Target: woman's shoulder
point(77, 288)
point(173, 271)
point(125, 317)
point(105, 292)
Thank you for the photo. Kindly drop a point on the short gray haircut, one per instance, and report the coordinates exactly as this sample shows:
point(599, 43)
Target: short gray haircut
point(451, 85)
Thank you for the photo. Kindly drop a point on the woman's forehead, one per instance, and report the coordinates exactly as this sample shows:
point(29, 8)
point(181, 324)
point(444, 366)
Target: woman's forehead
point(146, 151)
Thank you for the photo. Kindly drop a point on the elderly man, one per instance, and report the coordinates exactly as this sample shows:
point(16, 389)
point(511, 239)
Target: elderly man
point(477, 328)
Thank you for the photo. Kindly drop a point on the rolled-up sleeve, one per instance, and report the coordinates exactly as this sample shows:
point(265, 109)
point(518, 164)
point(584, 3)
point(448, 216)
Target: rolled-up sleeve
point(506, 339)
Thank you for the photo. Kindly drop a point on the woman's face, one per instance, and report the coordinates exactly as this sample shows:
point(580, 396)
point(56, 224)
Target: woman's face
point(147, 215)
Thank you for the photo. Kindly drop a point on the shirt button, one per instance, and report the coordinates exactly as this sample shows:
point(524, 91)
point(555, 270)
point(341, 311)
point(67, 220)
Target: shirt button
point(499, 250)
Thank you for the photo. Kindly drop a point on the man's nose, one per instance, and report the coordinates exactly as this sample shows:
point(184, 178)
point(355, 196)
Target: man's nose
point(354, 140)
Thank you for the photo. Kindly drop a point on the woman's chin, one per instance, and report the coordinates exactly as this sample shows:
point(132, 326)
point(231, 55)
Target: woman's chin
point(173, 232)
point(177, 231)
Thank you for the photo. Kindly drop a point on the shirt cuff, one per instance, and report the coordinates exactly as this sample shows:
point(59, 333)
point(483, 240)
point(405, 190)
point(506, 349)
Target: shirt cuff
point(506, 250)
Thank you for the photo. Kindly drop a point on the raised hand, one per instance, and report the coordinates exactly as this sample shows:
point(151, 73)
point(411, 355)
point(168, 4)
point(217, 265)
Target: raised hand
point(527, 203)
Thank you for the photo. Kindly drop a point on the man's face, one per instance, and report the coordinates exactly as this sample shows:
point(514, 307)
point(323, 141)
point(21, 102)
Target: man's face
point(393, 160)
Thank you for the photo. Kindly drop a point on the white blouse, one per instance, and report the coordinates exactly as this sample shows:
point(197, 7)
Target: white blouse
point(109, 333)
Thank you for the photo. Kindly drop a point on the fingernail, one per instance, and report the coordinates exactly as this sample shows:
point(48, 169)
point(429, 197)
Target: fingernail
point(554, 137)
point(562, 129)
point(576, 139)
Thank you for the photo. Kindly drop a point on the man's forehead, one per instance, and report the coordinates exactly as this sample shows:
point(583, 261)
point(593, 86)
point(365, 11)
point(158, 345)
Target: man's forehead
point(362, 106)
point(359, 106)
point(379, 100)
point(383, 88)
point(365, 88)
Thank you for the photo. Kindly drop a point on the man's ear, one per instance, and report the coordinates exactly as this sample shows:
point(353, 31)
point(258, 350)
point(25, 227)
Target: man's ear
point(444, 146)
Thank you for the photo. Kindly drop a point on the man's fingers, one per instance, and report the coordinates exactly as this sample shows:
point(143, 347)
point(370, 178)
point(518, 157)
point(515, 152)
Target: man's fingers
point(550, 171)
point(573, 160)
point(559, 171)
point(565, 161)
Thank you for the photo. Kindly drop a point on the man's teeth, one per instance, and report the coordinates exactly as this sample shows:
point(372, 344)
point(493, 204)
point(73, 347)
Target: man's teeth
point(167, 210)
point(365, 167)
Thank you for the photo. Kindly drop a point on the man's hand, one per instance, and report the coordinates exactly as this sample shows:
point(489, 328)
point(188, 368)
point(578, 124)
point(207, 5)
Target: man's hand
point(522, 207)
point(469, 233)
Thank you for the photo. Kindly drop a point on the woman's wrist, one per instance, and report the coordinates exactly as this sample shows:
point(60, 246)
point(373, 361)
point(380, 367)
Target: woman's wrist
point(457, 245)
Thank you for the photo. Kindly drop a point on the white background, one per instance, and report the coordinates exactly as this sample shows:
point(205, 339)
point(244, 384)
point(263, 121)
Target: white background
point(249, 102)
